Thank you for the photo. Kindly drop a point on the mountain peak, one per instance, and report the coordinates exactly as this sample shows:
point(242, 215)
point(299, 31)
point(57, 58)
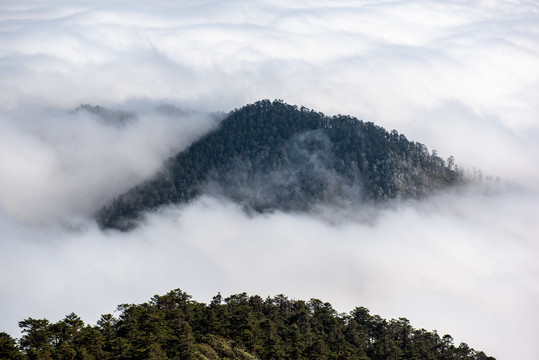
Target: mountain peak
point(275, 156)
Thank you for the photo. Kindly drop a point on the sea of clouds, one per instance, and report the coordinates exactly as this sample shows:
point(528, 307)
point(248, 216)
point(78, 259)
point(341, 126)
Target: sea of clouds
point(460, 77)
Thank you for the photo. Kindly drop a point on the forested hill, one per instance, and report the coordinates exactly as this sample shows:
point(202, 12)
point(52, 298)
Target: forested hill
point(271, 155)
point(173, 326)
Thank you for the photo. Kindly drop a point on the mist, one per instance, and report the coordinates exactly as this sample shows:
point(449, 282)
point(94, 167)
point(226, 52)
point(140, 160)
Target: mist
point(460, 78)
point(61, 163)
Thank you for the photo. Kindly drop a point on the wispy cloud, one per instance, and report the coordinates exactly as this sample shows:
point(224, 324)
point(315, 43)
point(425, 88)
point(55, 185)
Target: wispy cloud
point(60, 164)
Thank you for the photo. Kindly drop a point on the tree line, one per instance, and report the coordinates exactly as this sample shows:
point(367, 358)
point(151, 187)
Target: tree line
point(173, 326)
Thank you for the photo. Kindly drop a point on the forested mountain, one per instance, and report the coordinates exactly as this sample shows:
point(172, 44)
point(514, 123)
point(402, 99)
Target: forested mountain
point(271, 155)
point(110, 117)
point(173, 326)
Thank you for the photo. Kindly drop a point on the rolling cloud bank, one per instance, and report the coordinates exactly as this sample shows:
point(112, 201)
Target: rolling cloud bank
point(462, 78)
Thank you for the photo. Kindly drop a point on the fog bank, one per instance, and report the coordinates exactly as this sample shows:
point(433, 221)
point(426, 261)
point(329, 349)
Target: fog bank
point(460, 77)
point(461, 264)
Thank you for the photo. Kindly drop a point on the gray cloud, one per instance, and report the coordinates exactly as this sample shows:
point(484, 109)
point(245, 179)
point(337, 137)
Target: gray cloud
point(462, 78)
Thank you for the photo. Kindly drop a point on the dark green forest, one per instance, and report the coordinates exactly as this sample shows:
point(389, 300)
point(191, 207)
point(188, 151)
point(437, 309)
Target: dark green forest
point(173, 326)
point(273, 156)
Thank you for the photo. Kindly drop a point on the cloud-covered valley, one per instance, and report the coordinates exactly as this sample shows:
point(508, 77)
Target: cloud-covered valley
point(460, 78)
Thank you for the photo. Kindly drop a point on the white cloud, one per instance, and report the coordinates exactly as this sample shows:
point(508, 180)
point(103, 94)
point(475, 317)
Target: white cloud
point(456, 263)
point(60, 163)
point(460, 77)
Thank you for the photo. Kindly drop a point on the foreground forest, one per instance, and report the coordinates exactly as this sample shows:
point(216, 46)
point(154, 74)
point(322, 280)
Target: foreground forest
point(173, 326)
point(275, 156)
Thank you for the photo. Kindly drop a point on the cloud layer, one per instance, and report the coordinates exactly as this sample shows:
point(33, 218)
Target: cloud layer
point(462, 264)
point(60, 163)
point(436, 71)
point(460, 77)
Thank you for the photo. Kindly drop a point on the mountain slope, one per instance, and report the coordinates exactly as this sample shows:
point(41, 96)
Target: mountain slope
point(271, 155)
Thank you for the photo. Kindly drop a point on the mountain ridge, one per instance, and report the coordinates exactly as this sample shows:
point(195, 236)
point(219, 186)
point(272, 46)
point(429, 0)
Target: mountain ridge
point(274, 156)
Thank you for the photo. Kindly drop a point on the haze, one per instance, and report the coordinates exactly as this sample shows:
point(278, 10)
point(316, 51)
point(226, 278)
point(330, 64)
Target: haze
point(460, 77)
